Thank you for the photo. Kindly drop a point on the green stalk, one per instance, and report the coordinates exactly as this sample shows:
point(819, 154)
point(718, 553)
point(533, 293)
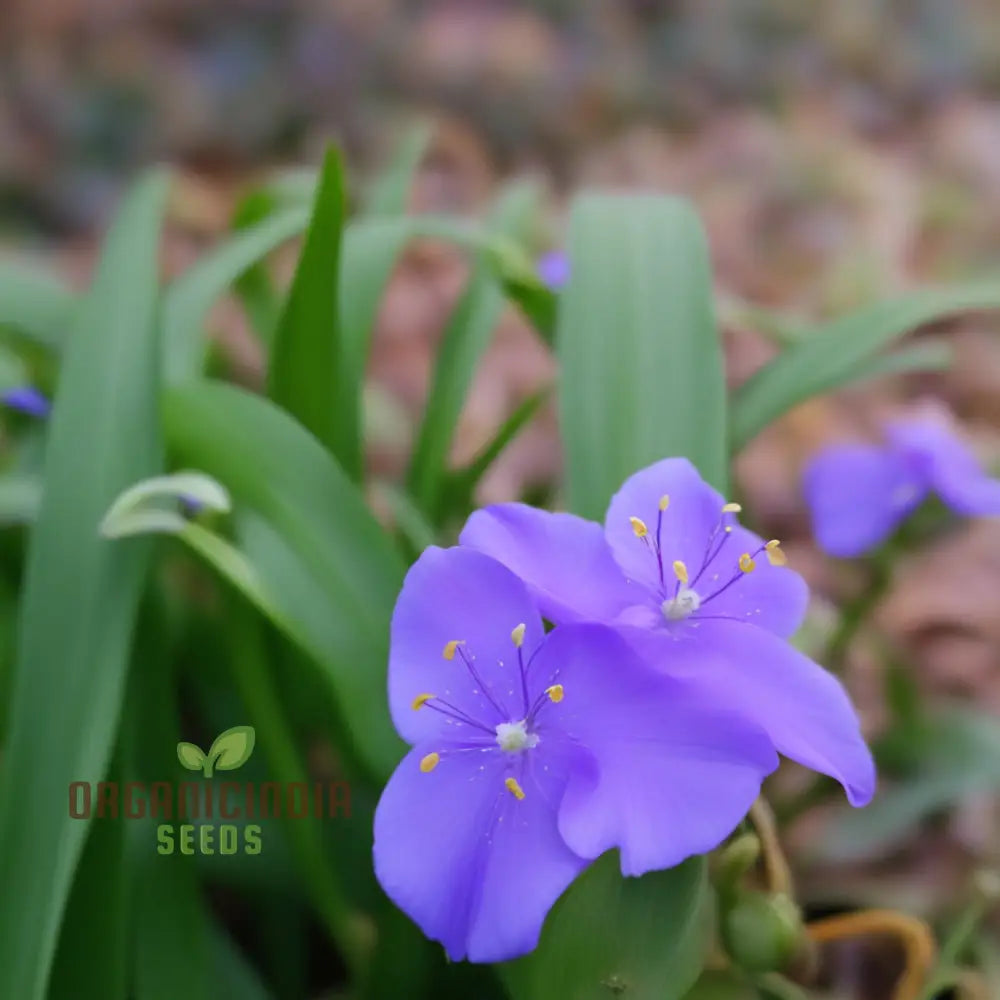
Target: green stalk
point(857, 610)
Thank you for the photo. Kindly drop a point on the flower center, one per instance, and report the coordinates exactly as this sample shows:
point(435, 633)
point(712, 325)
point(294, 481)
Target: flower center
point(683, 605)
point(513, 737)
point(685, 601)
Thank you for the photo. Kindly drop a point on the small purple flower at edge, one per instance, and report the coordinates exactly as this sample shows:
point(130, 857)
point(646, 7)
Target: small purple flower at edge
point(696, 595)
point(533, 754)
point(26, 399)
point(859, 493)
point(553, 269)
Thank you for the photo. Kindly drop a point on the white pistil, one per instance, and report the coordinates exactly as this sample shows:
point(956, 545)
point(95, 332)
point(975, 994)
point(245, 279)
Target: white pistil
point(685, 604)
point(513, 737)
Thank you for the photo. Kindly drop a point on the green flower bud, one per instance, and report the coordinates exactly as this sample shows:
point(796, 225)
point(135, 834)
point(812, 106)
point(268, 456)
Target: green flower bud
point(762, 933)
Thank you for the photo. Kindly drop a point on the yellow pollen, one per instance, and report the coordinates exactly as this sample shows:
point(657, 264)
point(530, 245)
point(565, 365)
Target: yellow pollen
point(449, 650)
point(428, 763)
point(731, 508)
point(517, 635)
point(664, 501)
point(421, 700)
point(555, 693)
point(639, 527)
point(729, 528)
point(775, 555)
point(680, 571)
point(513, 787)
point(746, 563)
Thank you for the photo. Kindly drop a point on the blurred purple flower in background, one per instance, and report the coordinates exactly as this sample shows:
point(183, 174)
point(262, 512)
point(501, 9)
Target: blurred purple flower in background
point(534, 754)
point(859, 493)
point(26, 399)
point(553, 269)
point(697, 595)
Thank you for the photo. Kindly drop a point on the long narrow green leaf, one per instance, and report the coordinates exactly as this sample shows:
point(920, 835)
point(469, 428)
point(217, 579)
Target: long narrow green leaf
point(91, 960)
point(80, 591)
point(304, 369)
point(189, 298)
point(828, 357)
point(389, 193)
point(641, 379)
point(644, 938)
point(466, 337)
point(35, 305)
point(255, 288)
point(171, 955)
point(641, 362)
point(306, 530)
point(20, 497)
point(927, 356)
point(463, 482)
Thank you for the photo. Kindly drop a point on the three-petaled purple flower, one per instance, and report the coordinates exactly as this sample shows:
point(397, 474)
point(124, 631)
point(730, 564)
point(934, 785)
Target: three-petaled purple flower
point(697, 596)
point(533, 754)
point(26, 399)
point(553, 269)
point(859, 493)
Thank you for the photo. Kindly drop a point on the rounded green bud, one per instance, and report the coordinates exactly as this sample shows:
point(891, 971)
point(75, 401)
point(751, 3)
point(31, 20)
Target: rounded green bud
point(762, 933)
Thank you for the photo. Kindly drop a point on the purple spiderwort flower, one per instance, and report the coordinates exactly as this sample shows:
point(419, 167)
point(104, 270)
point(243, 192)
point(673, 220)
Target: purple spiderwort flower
point(553, 269)
point(698, 596)
point(530, 757)
point(26, 399)
point(859, 493)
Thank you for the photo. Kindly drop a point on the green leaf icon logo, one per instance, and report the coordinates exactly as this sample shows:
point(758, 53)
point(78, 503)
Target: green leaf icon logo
point(230, 750)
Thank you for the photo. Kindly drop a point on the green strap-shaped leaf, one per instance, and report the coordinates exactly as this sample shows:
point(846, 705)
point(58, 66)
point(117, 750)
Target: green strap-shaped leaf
point(80, 591)
point(641, 379)
point(188, 300)
point(641, 362)
point(171, 952)
point(466, 337)
point(35, 305)
point(313, 546)
point(92, 957)
point(832, 355)
point(306, 355)
point(20, 498)
point(642, 938)
point(390, 191)
point(462, 483)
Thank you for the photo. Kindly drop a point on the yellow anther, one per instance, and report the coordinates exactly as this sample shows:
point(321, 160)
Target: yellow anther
point(746, 563)
point(775, 554)
point(555, 693)
point(729, 528)
point(664, 501)
point(513, 787)
point(421, 700)
point(518, 635)
point(449, 650)
point(639, 527)
point(731, 508)
point(680, 571)
point(428, 763)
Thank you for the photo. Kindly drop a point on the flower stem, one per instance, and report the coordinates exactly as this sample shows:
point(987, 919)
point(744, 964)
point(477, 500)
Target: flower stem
point(779, 873)
point(858, 609)
point(350, 932)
